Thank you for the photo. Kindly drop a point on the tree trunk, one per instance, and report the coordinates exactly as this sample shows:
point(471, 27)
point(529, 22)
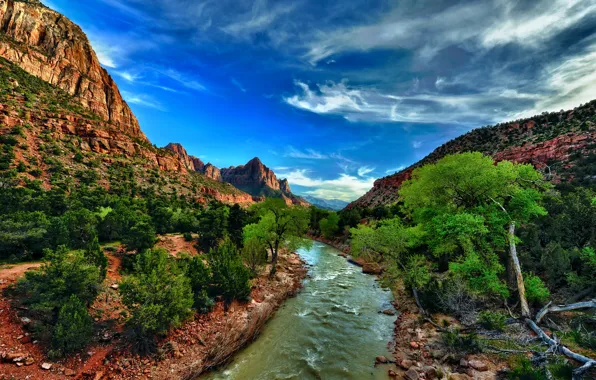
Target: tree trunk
point(274, 259)
point(521, 288)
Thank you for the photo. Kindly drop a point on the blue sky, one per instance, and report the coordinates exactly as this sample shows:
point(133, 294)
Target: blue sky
point(333, 94)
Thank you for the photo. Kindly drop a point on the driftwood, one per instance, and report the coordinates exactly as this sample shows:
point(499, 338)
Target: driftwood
point(556, 347)
point(558, 308)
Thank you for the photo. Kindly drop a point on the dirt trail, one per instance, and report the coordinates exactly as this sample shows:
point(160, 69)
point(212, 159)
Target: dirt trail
point(9, 273)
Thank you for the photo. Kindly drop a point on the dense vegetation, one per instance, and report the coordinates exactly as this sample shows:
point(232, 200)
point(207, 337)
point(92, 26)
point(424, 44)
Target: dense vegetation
point(468, 235)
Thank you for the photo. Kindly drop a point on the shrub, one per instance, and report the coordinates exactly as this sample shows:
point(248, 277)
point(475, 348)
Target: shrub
point(200, 280)
point(73, 329)
point(492, 320)
point(140, 237)
point(187, 236)
point(158, 295)
point(95, 255)
point(460, 343)
point(230, 276)
point(523, 369)
point(254, 255)
point(536, 290)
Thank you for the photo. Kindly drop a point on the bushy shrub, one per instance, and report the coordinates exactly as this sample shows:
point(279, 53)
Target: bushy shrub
point(140, 237)
point(536, 290)
point(481, 274)
point(230, 276)
point(73, 329)
point(200, 279)
point(254, 255)
point(158, 295)
point(187, 236)
point(95, 255)
point(492, 320)
point(461, 344)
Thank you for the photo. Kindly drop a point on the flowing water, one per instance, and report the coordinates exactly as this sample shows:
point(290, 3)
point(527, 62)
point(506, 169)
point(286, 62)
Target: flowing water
point(331, 330)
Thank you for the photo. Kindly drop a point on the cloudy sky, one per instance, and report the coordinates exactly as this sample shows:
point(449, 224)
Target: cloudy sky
point(333, 94)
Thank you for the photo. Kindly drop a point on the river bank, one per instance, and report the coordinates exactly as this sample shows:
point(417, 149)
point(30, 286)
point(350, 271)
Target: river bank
point(198, 345)
point(418, 350)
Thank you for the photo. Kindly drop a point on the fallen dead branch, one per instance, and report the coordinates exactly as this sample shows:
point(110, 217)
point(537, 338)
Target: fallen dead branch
point(556, 347)
point(575, 306)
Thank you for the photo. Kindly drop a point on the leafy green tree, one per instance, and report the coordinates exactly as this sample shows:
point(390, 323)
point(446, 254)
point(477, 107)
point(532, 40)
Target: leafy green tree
point(330, 225)
point(200, 278)
point(213, 225)
point(471, 187)
point(237, 219)
point(316, 215)
point(230, 276)
point(140, 237)
point(279, 226)
point(74, 328)
point(157, 294)
point(23, 234)
point(254, 254)
point(81, 225)
point(95, 255)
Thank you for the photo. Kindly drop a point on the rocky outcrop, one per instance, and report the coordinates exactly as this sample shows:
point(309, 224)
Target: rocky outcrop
point(556, 142)
point(252, 175)
point(212, 172)
point(284, 186)
point(48, 45)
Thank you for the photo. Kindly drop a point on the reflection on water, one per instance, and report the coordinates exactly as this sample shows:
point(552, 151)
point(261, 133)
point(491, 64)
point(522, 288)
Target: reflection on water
point(331, 330)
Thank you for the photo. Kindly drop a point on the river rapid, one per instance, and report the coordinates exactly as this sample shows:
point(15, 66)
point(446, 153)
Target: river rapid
point(331, 330)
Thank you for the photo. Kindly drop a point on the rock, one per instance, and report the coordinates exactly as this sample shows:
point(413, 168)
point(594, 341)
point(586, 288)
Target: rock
point(411, 374)
point(372, 268)
point(406, 364)
point(29, 361)
point(478, 365)
point(414, 345)
point(389, 312)
point(25, 321)
point(19, 364)
point(437, 354)
point(12, 357)
point(46, 366)
point(114, 286)
point(391, 373)
point(381, 360)
point(459, 376)
point(430, 372)
point(463, 363)
point(69, 372)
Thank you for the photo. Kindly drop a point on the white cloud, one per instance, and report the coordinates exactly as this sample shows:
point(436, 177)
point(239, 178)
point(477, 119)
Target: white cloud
point(345, 187)
point(364, 170)
point(142, 100)
point(416, 144)
point(395, 170)
point(310, 154)
point(184, 80)
point(236, 83)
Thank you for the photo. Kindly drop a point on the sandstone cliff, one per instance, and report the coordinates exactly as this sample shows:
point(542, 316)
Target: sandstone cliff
point(562, 144)
point(48, 45)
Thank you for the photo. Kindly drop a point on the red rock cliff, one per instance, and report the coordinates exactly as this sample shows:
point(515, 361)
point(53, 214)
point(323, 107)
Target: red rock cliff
point(51, 47)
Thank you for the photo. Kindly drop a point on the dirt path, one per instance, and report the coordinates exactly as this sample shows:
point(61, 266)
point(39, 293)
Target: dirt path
point(9, 273)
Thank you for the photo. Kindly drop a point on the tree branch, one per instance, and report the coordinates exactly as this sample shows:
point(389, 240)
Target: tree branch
point(559, 308)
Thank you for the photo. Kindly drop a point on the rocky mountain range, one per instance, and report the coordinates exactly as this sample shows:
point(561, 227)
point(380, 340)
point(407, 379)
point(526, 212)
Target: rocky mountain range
point(56, 95)
point(561, 144)
point(253, 178)
point(326, 204)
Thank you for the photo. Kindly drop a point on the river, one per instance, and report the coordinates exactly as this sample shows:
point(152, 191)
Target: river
point(331, 330)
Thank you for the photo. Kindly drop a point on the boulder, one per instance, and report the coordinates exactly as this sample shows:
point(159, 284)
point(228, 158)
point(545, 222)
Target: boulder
point(372, 268)
point(46, 366)
point(414, 345)
point(389, 312)
point(430, 372)
point(406, 364)
point(381, 360)
point(412, 374)
point(478, 365)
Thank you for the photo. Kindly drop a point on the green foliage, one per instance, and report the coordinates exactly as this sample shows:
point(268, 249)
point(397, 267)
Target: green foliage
point(536, 290)
point(213, 224)
point(187, 237)
point(460, 343)
point(230, 276)
point(492, 320)
point(141, 236)
point(329, 225)
point(279, 226)
point(523, 369)
point(254, 254)
point(200, 278)
point(74, 327)
point(482, 275)
point(158, 294)
point(95, 255)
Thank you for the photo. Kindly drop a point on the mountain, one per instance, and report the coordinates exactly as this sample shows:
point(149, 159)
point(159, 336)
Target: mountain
point(327, 204)
point(63, 120)
point(562, 144)
point(253, 178)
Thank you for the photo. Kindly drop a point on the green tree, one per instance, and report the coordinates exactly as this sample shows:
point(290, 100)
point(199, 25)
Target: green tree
point(254, 254)
point(279, 226)
point(213, 225)
point(81, 225)
point(200, 278)
point(140, 237)
point(157, 294)
point(230, 276)
point(330, 225)
point(74, 327)
point(471, 187)
point(95, 255)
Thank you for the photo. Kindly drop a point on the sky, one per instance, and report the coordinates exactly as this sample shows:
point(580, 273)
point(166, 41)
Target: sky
point(334, 94)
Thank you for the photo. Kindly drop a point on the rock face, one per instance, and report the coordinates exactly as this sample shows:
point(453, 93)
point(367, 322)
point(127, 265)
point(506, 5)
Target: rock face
point(252, 175)
point(560, 143)
point(48, 45)
point(254, 178)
